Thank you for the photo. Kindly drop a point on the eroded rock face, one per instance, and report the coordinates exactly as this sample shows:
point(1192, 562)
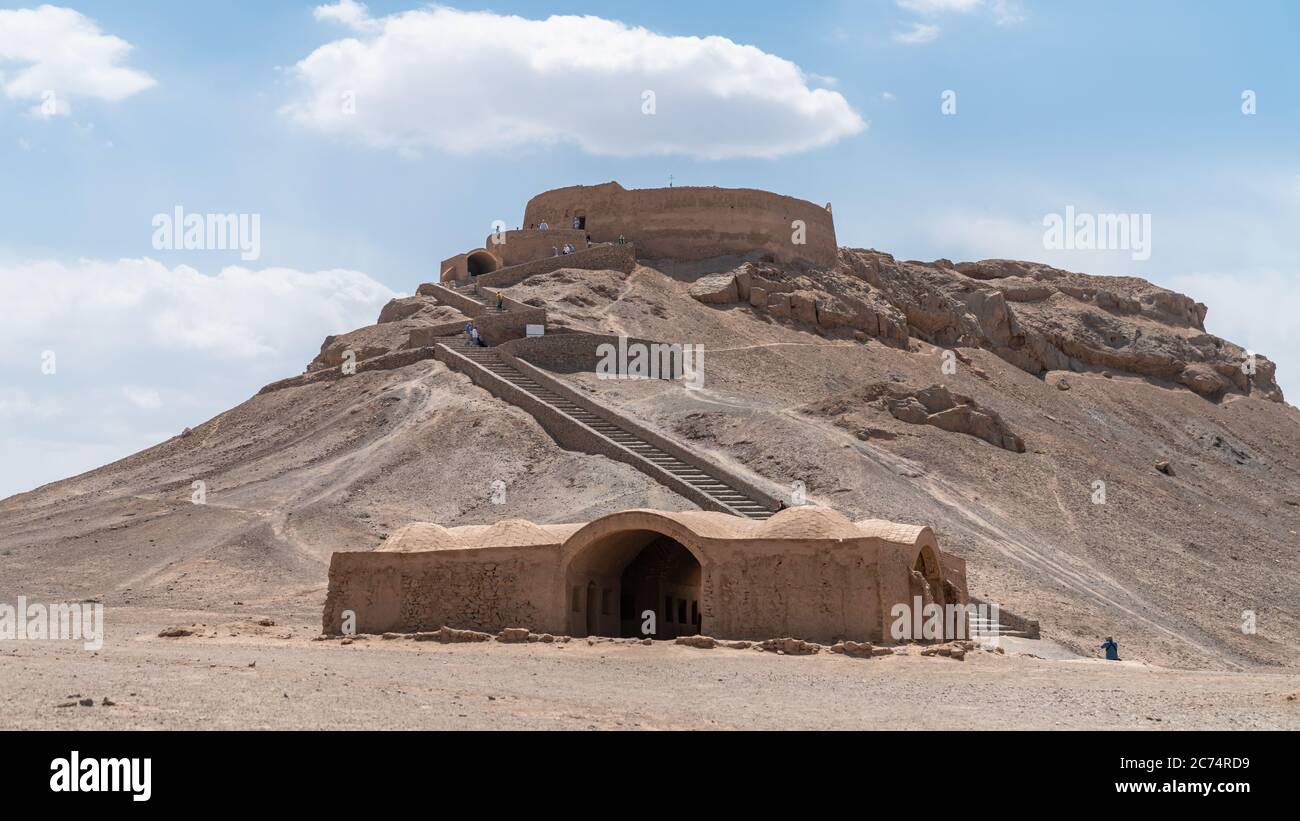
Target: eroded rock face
point(1042, 319)
point(933, 405)
point(1034, 316)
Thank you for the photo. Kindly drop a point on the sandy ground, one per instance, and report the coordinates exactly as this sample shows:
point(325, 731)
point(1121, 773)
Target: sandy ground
point(252, 677)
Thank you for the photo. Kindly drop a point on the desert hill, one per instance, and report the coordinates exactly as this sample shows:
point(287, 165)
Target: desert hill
point(984, 399)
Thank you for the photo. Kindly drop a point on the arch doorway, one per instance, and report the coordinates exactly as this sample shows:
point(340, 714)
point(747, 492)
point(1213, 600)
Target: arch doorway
point(481, 262)
point(928, 577)
point(639, 583)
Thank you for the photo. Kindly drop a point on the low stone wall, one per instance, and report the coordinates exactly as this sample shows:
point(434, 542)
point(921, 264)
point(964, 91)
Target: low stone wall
point(522, 246)
point(387, 362)
point(568, 352)
point(597, 258)
point(496, 327)
point(448, 296)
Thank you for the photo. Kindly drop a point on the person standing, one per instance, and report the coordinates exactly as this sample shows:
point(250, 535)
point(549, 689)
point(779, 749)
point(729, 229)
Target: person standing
point(1111, 648)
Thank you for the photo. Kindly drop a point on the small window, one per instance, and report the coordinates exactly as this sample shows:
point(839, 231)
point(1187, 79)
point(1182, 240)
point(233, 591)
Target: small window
point(668, 609)
point(606, 595)
point(577, 599)
point(681, 611)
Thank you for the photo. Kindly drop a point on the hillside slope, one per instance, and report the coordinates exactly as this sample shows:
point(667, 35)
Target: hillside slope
point(986, 400)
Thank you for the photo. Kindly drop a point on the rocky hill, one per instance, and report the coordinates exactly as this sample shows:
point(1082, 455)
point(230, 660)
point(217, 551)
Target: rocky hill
point(1103, 464)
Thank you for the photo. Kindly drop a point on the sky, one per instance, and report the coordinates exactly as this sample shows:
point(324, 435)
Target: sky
point(363, 144)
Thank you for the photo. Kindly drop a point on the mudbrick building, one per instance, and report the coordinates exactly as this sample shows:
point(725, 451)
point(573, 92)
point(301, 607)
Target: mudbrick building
point(807, 572)
point(682, 224)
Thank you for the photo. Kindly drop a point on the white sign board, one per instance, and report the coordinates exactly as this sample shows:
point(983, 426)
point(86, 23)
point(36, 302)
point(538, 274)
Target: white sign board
point(535, 330)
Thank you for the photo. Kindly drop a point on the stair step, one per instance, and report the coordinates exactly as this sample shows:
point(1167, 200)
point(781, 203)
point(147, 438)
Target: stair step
point(714, 488)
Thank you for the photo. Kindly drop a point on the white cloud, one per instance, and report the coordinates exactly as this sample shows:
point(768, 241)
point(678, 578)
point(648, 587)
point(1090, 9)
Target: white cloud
point(140, 348)
point(139, 305)
point(456, 81)
point(1008, 12)
point(143, 398)
point(1004, 13)
point(349, 13)
point(936, 7)
point(63, 55)
point(16, 403)
point(919, 33)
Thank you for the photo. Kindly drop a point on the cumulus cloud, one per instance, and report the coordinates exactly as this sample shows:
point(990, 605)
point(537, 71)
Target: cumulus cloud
point(936, 7)
point(456, 81)
point(917, 34)
point(61, 55)
point(136, 347)
point(1003, 12)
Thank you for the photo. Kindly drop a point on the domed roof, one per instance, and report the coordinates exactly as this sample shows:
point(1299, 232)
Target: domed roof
point(419, 536)
point(808, 522)
point(891, 531)
point(508, 533)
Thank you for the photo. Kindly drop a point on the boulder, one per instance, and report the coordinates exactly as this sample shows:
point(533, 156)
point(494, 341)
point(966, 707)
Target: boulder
point(779, 304)
point(789, 647)
point(716, 289)
point(702, 642)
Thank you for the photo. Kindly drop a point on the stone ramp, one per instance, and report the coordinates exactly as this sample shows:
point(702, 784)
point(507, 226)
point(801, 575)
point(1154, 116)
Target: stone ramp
point(605, 434)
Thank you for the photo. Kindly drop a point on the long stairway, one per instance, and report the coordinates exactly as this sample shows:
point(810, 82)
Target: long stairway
point(728, 497)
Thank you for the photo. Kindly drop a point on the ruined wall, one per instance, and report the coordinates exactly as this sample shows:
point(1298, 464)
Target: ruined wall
point(486, 589)
point(597, 258)
point(692, 223)
point(524, 246)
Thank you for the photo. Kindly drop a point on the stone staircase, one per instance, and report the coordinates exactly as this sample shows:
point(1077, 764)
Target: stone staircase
point(978, 627)
point(707, 487)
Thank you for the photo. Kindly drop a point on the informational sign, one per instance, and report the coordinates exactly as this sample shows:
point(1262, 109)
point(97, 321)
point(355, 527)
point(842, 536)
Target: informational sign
point(535, 330)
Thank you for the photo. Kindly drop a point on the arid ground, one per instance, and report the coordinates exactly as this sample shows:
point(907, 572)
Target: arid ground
point(238, 674)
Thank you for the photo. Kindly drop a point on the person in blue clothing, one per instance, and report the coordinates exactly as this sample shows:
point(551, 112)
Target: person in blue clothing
point(1111, 648)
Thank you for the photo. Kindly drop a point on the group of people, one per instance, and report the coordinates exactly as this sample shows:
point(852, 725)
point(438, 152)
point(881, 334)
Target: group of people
point(565, 249)
point(471, 330)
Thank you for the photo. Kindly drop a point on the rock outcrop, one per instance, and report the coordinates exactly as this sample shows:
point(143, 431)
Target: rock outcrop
point(933, 405)
point(1036, 317)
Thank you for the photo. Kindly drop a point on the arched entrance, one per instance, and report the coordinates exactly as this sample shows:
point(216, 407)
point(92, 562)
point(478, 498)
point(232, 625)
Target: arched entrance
point(638, 583)
point(928, 578)
point(481, 262)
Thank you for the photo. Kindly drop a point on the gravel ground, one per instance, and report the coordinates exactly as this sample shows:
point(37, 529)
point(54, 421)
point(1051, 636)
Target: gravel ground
point(250, 676)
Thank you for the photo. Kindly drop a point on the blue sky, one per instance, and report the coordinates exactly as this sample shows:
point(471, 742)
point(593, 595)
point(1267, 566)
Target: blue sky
point(1107, 107)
